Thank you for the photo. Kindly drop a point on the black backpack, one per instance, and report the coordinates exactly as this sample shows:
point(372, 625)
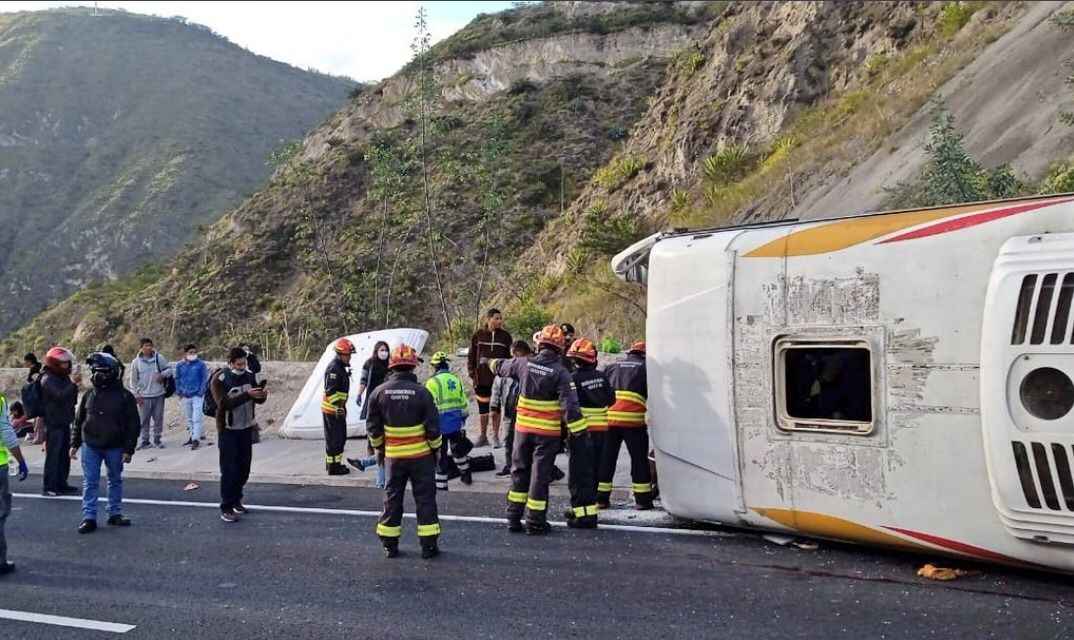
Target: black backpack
point(208, 405)
point(31, 398)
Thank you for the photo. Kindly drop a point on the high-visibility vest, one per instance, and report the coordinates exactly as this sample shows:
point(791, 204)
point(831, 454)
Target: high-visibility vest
point(5, 456)
point(401, 443)
point(447, 391)
point(628, 410)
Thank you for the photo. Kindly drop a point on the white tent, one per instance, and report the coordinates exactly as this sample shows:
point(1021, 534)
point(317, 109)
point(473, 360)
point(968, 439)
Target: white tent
point(304, 419)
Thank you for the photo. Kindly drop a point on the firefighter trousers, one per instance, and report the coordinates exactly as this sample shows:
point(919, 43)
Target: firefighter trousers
point(582, 476)
point(637, 442)
point(455, 444)
point(596, 446)
point(420, 473)
point(335, 437)
point(532, 462)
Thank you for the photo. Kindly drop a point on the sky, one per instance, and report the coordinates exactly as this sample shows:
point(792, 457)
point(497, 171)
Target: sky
point(362, 40)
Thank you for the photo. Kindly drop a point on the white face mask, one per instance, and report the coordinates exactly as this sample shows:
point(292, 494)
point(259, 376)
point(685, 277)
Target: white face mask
point(191, 357)
point(382, 354)
point(238, 372)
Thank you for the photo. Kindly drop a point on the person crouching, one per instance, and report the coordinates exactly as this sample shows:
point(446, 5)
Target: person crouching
point(106, 429)
point(453, 405)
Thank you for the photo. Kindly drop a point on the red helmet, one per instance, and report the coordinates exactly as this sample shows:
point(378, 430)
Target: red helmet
point(58, 357)
point(403, 356)
point(637, 347)
point(583, 350)
point(553, 336)
point(343, 346)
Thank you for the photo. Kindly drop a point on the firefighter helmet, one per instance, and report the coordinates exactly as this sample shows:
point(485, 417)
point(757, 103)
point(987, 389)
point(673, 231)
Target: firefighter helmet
point(439, 358)
point(403, 356)
point(343, 346)
point(58, 357)
point(638, 347)
point(552, 336)
point(583, 350)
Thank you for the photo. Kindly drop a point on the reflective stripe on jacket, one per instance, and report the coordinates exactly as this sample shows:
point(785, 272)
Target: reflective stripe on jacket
point(403, 420)
point(545, 394)
point(337, 387)
point(628, 379)
point(449, 394)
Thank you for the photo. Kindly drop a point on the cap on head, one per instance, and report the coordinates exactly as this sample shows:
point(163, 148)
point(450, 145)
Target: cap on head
point(638, 347)
point(343, 346)
point(552, 336)
point(583, 350)
point(439, 358)
point(403, 356)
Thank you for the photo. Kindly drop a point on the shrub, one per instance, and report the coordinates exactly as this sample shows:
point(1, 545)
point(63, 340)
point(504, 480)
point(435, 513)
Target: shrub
point(606, 235)
point(1060, 179)
point(526, 320)
point(611, 345)
point(726, 166)
point(953, 17)
point(612, 175)
point(679, 199)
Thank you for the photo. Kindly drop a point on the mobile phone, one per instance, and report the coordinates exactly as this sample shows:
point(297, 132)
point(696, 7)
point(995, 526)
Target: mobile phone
point(261, 384)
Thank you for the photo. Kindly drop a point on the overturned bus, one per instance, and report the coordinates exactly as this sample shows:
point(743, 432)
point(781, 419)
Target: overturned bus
point(900, 379)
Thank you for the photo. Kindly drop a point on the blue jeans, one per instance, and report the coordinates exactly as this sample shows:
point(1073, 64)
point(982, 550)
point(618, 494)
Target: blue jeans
point(193, 414)
point(370, 461)
point(91, 480)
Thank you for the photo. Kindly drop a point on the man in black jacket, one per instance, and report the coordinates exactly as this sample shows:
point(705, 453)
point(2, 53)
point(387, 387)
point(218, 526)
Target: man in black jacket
point(108, 425)
point(58, 397)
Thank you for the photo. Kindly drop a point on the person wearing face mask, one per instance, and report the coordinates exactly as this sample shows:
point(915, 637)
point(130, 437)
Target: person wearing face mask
point(190, 377)
point(374, 373)
point(235, 392)
point(337, 388)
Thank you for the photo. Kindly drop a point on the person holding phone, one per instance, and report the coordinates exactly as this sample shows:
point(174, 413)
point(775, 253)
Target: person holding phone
point(236, 391)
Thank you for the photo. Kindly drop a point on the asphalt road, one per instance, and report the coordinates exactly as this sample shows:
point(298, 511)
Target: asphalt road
point(180, 572)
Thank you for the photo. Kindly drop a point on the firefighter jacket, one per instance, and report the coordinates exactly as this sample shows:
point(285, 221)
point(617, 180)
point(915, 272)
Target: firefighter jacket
point(337, 388)
point(595, 395)
point(450, 397)
point(545, 394)
point(627, 378)
point(403, 421)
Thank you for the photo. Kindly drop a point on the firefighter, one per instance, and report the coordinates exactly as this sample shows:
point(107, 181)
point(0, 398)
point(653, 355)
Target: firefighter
point(337, 387)
point(450, 397)
point(626, 423)
point(545, 396)
point(404, 427)
point(595, 395)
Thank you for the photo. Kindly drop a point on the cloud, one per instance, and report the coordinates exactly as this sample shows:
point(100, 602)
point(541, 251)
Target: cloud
point(362, 40)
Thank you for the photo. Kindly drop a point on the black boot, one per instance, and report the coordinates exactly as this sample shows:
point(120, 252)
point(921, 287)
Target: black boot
point(119, 521)
point(643, 502)
point(87, 526)
point(534, 528)
point(391, 547)
point(585, 522)
point(429, 549)
point(557, 474)
point(604, 499)
point(336, 469)
point(467, 477)
point(514, 523)
point(506, 471)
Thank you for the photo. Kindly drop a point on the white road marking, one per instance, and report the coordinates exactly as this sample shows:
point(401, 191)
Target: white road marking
point(376, 514)
point(62, 621)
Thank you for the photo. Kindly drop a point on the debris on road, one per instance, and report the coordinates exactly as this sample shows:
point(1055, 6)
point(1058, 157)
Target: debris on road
point(932, 572)
point(190, 486)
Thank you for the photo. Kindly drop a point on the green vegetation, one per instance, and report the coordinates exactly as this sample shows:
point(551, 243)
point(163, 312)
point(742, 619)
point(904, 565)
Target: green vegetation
point(166, 130)
point(726, 166)
point(954, 16)
point(606, 235)
point(1064, 20)
point(618, 171)
point(951, 175)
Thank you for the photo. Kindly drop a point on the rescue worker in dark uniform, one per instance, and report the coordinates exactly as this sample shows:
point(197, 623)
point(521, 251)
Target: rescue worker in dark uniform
point(404, 426)
point(337, 389)
point(626, 423)
point(545, 397)
point(595, 395)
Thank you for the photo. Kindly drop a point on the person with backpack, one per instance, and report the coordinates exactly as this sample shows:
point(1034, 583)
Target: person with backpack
point(190, 377)
point(106, 430)
point(30, 395)
point(235, 391)
point(453, 406)
point(9, 448)
point(151, 380)
point(520, 349)
point(57, 400)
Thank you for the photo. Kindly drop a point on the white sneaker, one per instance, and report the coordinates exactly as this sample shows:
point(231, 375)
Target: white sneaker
point(496, 444)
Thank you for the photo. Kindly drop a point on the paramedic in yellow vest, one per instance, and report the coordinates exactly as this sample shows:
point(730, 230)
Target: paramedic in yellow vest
point(9, 448)
point(404, 426)
point(337, 389)
point(450, 397)
point(626, 423)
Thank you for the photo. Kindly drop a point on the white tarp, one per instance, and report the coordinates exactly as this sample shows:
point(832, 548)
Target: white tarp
point(304, 419)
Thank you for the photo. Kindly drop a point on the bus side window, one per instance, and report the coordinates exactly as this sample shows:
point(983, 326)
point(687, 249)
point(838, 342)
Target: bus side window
point(824, 387)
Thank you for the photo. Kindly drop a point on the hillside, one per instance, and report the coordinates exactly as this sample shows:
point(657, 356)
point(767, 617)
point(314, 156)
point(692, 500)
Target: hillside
point(121, 134)
point(559, 133)
point(521, 107)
